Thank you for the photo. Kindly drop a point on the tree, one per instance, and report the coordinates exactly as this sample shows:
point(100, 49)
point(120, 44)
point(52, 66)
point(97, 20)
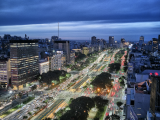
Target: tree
point(69, 115)
point(114, 67)
point(79, 108)
point(68, 75)
point(25, 117)
point(125, 68)
point(70, 100)
point(79, 56)
point(119, 104)
point(122, 84)
point(34, 87)
point(82, 103)
point(123, 77)
point(102, 81)
point(100, 102)
point(112, 117)
point(59, 113)
point(96, 118)
point(52, 76)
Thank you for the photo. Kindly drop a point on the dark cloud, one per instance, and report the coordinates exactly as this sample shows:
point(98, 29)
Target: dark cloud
point(20, 12)
point(81, 19)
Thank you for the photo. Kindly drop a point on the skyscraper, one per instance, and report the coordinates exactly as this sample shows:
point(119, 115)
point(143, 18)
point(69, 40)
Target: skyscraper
point(111, 40)
point(93, 40)
point(155, 44)
point(54, 38)
point(24, 62)
point(63, 46)
point(141, 40)
point(122, 40)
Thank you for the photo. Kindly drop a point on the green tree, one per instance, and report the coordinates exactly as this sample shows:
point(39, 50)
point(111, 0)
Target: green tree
point(114, 67)
point(79, 108)
point(34, 87)
point(119, 104)
point(102, 81)
point(100, 102)
point(25, 117)
point(70, 100)
point(52, 76)
point(68, 75)
point(112, 117)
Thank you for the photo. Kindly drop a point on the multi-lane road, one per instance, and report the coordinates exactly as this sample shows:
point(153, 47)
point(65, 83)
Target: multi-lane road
point(61, 95)
point(50, 110)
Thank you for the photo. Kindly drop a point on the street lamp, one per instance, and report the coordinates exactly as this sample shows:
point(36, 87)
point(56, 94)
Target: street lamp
point(98, 89)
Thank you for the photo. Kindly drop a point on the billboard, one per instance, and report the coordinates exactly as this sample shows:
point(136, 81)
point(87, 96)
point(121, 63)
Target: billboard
point(132, 115)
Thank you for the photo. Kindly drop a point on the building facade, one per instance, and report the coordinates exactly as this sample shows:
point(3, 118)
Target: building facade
point(155, 44)
point(63, 46)
point(72, 57)
point(24, 62)
point(111, 40)
point(43, 66)
point(155, 95)
point(93, 40)
point(85, 50)
point(58, 61)
point(5, 72)
point(141, 40)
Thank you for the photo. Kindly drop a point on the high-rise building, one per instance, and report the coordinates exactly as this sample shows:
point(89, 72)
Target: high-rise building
point(72, 57)
point(54, 38)
point(63, 46)
point(155, 44)
point(141, 40)
point(149, 43)
point(155, 95)
point(93, 40)
point(24, 62)
point(111, 40)
point(122, 40)
point(58, 61)
point(5, 72)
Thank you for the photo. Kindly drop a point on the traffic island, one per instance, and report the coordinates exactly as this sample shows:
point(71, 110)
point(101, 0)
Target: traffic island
point(10, 111)
point(16, 107)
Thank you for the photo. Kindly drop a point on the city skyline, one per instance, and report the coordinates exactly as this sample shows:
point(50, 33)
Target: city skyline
point(81, 19)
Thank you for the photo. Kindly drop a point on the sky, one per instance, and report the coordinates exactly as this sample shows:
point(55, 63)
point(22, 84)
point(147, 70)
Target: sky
point(81, 19)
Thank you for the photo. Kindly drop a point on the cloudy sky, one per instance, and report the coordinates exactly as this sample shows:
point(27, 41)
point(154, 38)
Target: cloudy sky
point(81, 19)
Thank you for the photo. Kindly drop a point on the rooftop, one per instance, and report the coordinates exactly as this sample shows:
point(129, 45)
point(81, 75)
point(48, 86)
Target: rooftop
point(141, 105)
point(62, 41)
point(143, 87)
point(23, 41)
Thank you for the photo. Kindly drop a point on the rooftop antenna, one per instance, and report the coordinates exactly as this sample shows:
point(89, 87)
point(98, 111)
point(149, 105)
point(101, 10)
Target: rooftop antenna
point(58, 30)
